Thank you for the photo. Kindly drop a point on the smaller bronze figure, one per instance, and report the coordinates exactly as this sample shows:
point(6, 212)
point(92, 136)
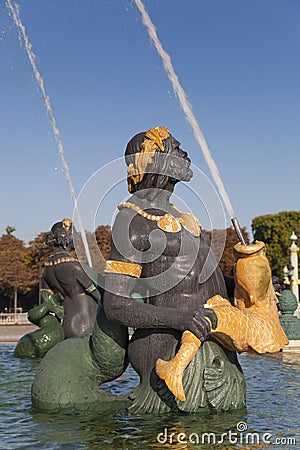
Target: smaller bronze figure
point(48, 317)
point(63, 274)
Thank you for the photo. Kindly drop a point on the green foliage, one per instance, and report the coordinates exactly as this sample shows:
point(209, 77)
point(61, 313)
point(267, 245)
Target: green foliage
point(275, 230)
point(15, 275)
point(102, 234)
point(21, 267)
point(37, 254)
point(9, 229)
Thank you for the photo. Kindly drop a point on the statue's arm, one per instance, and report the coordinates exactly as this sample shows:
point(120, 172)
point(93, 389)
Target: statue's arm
point(37, 313)
point(44, 284)
point(87, 282)
point(49, 305)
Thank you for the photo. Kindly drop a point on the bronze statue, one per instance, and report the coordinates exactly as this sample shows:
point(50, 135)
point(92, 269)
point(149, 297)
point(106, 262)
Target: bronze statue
point(47, 317)
point(160, 254)
point(63, 274)
point(156, 163)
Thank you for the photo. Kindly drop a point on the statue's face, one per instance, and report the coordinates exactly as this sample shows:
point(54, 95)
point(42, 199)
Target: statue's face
point(179, 162)
point(66, 240)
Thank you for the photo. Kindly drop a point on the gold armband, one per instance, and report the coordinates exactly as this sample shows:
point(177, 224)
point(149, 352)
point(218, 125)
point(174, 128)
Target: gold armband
point(124, 268)
point(91, 288)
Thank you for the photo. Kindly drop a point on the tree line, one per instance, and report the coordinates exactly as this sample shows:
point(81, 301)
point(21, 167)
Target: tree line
point(21, 266)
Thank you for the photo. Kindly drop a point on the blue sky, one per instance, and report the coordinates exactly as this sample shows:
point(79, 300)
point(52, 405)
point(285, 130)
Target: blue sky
point(238, 62)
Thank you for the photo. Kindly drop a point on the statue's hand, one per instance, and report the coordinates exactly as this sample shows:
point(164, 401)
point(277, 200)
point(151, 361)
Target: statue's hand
point(200, 321)
point(58, 310)
point(52, 304)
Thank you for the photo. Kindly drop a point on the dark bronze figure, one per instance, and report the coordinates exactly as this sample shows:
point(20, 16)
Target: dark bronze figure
point(63, 274)
point(159, 324)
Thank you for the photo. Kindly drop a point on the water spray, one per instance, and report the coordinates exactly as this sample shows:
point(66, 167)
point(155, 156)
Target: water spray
point(190, 116)
point(16, 17)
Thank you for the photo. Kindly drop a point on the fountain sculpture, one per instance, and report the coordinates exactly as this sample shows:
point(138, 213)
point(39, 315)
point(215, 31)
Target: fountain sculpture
point(68, 293)
point(47, 317)
point(64, 274)
point(160, 250)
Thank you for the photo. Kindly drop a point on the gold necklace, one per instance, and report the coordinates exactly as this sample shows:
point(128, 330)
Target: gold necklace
point(167, 222)
point(57, 261)
point(190, 222)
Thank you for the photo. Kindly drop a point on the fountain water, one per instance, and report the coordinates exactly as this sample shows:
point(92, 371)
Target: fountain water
point(189, 114)
point(28, 46)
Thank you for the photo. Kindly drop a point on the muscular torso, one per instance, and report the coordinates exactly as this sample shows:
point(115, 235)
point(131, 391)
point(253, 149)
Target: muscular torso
point(177, 272)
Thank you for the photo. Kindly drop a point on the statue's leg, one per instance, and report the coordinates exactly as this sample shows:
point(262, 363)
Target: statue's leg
point(172, 371)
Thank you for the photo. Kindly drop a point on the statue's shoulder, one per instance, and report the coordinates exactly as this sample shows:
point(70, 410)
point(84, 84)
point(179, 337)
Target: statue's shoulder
point(130, 215)
point(130, 229)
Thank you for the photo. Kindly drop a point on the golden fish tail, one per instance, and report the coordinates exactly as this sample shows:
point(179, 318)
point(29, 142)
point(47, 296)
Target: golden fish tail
point(171, 371)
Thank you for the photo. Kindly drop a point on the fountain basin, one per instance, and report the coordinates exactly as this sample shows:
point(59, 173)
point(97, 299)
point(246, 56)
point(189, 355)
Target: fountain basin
point(272, 407)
